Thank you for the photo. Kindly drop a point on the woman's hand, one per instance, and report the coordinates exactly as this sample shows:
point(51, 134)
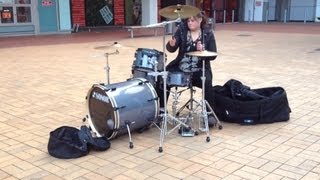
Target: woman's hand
point(172, 41)
point(200, 47)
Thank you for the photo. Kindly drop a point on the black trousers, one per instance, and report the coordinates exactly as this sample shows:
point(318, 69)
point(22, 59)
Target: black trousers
point(195, 81)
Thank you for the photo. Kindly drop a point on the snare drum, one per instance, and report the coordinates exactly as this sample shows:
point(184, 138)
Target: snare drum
point(111, 107)
point(178, 78)
point(147, 59)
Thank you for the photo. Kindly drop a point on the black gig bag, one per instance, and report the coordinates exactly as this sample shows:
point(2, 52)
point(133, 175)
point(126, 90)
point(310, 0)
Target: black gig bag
point(237, 103)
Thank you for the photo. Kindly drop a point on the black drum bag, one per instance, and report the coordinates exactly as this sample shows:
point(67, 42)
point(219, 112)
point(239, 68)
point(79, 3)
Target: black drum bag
point(237, 103)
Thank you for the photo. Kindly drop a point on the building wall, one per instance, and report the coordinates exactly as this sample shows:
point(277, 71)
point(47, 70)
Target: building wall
point(34, 17)
point(281, 10)
point(302, 10)
point(317, 16)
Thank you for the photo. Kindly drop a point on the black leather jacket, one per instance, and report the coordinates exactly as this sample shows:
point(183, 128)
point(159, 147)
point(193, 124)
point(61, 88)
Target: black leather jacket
point(181, 39)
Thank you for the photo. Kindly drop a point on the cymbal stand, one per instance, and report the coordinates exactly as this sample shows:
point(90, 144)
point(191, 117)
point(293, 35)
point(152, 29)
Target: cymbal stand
point(163, 129)
point(107, 67)
point(204, 103)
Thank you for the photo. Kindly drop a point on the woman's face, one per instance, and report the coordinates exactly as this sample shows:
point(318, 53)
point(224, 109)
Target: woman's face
point(194, 23)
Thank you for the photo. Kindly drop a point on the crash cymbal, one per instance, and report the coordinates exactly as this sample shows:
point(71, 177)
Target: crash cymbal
point(202, 53)
point(179, 11)
point(113, 46)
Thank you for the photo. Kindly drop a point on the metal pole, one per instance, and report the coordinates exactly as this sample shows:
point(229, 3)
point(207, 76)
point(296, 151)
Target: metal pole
point(305, 16)
point(214, 16)
point(232, 16)
point(224, 16)
point(267, 16)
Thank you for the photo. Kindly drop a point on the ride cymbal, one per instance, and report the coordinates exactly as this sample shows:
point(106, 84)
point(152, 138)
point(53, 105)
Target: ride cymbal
point(113, 46)
point(179, 11)
point(202, 53)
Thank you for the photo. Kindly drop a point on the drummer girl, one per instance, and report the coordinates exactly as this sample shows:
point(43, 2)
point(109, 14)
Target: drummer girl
point(192, 34)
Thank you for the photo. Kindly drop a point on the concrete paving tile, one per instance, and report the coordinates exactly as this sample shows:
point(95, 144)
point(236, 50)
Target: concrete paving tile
point(192, 178)
point(204, 175)
point(246, 175)
point(162, 175)
point(231, 167)
point(111, 170)
point(3, 175)
point(215, 172)
point(287, 174)
point(92, 175)
point(272, 177)
point(257, 162)
point(135, 174)
point(41, 174)
point(311, 175)
point(122, 177)
point(151, 169)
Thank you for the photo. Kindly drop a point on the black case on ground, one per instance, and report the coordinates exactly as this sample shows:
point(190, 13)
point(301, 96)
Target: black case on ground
point(237, 103)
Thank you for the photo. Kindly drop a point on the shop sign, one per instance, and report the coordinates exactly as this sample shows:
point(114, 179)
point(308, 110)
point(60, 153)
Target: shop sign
point(47, 3)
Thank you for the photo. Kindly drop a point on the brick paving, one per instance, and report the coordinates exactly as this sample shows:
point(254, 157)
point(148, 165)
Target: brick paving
point(44, 81)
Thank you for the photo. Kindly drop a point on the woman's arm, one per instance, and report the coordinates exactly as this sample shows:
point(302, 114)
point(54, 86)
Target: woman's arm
point(210, 44)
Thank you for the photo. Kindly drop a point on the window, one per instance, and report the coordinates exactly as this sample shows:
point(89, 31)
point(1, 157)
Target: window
point(23, 14)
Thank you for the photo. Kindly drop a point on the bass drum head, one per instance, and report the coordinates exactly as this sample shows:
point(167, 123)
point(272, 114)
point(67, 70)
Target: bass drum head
point(100, 111)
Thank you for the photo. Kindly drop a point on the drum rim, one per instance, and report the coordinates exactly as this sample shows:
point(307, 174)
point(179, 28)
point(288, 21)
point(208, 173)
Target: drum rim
point(116, 114)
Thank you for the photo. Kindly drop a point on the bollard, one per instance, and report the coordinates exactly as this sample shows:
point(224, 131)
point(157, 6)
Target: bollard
point(267, 16)
point(285, 16)
point(224, 16)
point(249, 15)
point(232, 16)
point(214, 17)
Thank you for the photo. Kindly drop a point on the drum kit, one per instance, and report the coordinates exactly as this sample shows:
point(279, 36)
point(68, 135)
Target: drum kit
point(119, 108)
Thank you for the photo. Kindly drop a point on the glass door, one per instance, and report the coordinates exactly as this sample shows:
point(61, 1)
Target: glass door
point(15, 12)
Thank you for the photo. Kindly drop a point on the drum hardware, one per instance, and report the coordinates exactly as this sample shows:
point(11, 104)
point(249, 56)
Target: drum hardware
point(128, 123)
point(115, 46)
point(203, 102)
point(189, 104)
point(172, 12)
point(186, 132)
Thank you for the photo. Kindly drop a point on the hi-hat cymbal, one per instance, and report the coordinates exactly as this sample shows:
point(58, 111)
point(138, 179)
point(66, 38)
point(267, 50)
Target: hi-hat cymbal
point(179, 11)
point(113, 46)
point(202, 53)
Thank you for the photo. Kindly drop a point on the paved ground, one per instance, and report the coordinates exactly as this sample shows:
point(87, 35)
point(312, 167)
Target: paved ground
point(45, 79)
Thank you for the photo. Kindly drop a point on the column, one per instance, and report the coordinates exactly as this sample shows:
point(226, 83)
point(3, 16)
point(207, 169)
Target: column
point(149, 12)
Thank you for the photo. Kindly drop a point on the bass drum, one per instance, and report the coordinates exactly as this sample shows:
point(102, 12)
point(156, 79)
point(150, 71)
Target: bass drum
point(112, 107)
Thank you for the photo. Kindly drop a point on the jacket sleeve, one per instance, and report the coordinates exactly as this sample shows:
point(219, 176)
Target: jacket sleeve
point(177, 36)
point(210, 44)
